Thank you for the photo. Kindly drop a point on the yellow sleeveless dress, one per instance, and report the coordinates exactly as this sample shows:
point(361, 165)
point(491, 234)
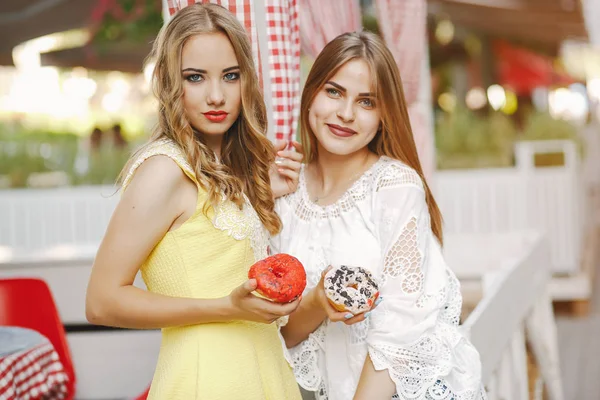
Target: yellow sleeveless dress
point(207, 257)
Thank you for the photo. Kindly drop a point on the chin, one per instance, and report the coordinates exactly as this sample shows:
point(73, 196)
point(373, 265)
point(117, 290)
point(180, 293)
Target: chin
point(339, 149)
point(213, 129)
point(216, 131)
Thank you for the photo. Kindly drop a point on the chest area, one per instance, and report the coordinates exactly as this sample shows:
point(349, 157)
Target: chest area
point(319, 243)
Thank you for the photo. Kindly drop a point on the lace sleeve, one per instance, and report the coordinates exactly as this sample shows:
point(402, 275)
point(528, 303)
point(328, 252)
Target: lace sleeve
point(411, 334)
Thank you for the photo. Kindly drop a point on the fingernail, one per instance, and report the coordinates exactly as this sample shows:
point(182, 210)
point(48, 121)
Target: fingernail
point(367, 314)
point(280, 153)
point(348, 316)
point(379, 300)
point(278, 161)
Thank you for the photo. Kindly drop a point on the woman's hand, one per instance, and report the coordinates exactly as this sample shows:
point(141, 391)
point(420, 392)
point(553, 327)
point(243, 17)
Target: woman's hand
point(285, 172)
point(332, 313)
point(248, 307)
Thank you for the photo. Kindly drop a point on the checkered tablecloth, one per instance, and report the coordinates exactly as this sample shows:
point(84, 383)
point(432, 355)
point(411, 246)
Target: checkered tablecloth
point(33, 373)
point(282, 33)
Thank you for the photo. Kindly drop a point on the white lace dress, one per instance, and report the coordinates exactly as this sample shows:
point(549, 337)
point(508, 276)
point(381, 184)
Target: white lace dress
point(381, 223)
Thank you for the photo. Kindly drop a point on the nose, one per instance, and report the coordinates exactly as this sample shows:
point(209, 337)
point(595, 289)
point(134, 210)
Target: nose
point(346, 111)
point(215, 95)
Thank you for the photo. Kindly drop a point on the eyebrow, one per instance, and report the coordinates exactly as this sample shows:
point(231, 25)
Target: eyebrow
point(203, 71)
point(343, 89)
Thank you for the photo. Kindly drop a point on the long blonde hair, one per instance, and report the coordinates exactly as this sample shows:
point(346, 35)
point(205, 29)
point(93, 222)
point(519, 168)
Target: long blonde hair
point(395, 138)
point(246, 153)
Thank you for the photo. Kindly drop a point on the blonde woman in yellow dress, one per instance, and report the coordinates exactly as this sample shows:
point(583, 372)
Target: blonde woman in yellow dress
point(196, 211)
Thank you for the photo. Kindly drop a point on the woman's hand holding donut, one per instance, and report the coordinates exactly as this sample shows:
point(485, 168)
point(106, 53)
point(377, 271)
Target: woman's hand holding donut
point(246, 306)
point(332, 313)
point(323, 302)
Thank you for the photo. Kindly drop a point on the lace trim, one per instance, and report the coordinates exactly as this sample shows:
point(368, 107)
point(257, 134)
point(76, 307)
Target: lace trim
point(404, 260)
point(321, 393)
point(307, 210)
point(417, 368)
point(166, 147)
point(304, 361)
point(386, 172)
point(398, 174)
point(242, 224)
point(450, 314)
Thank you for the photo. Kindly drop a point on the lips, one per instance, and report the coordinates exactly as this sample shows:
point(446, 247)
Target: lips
point(216, 116)
point(340, 131)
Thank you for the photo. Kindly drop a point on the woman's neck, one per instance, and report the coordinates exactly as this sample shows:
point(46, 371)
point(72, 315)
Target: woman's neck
point(331, 170)
point(213, 142)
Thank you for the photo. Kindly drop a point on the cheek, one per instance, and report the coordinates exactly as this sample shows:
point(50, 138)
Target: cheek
point(191, 97)
point(234, 95)
point(320, 109)
point(369, 122)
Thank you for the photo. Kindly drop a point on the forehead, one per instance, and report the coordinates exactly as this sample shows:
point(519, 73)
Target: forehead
point(208, 51)
point(355, 76)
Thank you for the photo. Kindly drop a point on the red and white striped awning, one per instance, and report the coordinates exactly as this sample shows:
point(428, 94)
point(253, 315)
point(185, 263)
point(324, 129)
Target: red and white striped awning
point(274, 32)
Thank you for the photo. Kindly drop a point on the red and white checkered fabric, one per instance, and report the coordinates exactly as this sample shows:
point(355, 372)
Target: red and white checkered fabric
point(32, 374)
point(283, 35)
point(282, 32)
point(322, 21)
point(403, 25)
point(241, 9)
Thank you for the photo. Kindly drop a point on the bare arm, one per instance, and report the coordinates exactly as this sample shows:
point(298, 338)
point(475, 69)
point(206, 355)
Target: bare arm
point(305, 320)
point(374, 385)
point(149, 207)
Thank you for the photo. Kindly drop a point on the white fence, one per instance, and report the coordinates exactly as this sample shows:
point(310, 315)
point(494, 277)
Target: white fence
point(34, 219)
point(483, 201)
point(549, 199)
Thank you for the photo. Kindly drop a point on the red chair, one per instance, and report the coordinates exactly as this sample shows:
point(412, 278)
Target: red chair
point(144, 395)
point(28, 303)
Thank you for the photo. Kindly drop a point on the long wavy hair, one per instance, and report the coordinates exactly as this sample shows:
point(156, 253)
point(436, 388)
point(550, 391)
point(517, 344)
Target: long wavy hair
point(395, 138)
point(246, 153)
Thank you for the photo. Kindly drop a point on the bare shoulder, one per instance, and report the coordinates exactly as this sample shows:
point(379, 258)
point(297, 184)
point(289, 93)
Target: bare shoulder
point(156, 183)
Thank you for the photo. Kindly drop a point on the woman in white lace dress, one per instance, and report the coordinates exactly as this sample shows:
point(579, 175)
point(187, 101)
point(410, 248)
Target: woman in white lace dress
point(362, 201)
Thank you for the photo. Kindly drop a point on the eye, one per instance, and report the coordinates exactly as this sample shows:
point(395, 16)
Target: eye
point(232, 76)
point(194, 78)
point(332, 92)
point(367, 103)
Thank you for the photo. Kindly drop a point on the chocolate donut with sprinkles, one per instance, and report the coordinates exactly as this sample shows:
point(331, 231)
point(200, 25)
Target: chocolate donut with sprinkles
point(351, 289)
